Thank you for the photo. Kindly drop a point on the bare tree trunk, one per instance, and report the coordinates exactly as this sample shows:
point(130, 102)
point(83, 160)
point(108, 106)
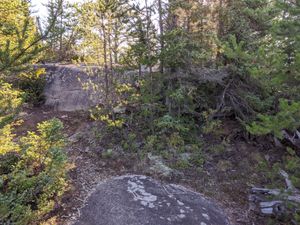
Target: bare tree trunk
point(110, 44)
point(149, 56)
point(61, 33)
point(172, 24)
point(220, 27)
point(161, 29)
point(105, 59)
point(111, 69)
point(220, 19)
point(116, 43)
point(140, 71)
point(148, 37)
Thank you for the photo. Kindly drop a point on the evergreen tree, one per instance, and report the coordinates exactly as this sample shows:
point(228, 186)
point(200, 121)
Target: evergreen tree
point(247, 20)
point(142, 39)
point(286, 35)
point(19, 39)
point(65, 32)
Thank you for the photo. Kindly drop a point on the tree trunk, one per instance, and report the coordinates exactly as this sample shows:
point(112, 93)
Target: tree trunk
point(109, 33)
point(161, 29)
point(116, 43)
point(105, 60)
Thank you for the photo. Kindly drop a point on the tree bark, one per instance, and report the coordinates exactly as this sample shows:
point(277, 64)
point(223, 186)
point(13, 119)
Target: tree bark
point(105, 59)
point(161, 38)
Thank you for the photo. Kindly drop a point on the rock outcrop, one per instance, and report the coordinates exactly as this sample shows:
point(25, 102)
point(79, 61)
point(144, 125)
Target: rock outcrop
point(140, 200)
point(64, 92)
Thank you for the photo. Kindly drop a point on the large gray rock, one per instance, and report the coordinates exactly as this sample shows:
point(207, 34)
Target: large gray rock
point(64, 91)
point(140, 200)
point(64, 87)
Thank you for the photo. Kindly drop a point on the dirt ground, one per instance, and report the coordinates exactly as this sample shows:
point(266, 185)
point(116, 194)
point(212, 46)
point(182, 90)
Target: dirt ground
point(226, 178)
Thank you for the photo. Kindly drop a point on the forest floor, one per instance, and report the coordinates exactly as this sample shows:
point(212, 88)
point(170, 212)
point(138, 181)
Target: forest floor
point(229, 171)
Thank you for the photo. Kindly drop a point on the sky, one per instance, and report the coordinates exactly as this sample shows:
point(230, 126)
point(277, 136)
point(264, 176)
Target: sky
point(40, 10)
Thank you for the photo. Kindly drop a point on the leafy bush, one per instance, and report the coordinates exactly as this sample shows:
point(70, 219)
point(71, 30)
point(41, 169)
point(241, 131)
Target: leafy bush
point(130, 143)
point(169, 123)
point(155, 143)
point(287, 118)
point(258, 103)
point(198, 159)
point(101, 115)
point(6, 141)
point(33, 84)
point(10, 102)
point(211, 126)
point(236, 54)
point(176, 142)
point(32, 173)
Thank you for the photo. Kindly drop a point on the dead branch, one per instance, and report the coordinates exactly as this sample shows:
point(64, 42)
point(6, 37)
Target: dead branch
point(280, 198)
point(293, 139)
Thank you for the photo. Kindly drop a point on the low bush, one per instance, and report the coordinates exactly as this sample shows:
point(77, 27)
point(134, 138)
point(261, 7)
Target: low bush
point(288, 118)
point(32, 173)
point(10, 102)
point(33, 84)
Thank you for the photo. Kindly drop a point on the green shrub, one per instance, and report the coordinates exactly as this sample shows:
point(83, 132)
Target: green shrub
point(32, 173)
point(198, 158)
point(168, 123)
point(156, 144)
point(236, 54)
point(130, 143)
point(102, 115)
point(287, 118)
point(258, 103)
point(33, 84)
point(176, 142)
point(211, 126)
point(182, 164)
point(10, 102)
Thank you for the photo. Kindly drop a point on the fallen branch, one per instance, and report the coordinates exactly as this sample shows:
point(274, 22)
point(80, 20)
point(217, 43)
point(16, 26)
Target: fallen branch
point(280, 199)
point(293, 140)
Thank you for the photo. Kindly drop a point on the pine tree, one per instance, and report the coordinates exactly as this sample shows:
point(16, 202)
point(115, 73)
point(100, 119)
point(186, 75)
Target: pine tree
point(286, 32)
point(65, 31)
point(254, 20)
point(20, 41)
point(18, 35)
point(142, 39)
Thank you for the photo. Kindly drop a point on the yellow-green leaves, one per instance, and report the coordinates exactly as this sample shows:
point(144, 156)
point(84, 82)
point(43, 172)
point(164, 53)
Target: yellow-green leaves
point(18, 35)
point(10, 101)
point(32, 173)
point(6, 140)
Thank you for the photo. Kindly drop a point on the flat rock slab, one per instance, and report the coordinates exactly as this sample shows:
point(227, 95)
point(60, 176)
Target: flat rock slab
point(140, 200)
point(64, 87)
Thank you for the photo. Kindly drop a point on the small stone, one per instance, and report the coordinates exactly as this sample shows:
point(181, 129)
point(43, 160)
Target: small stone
point(119, 110)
